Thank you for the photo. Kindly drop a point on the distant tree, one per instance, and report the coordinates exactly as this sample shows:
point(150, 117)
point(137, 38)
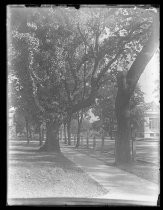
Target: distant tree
point(137, 108)
point(19, 122)
point(80, 125)
point(157, 89)
point(67, 55)
point(104, 108)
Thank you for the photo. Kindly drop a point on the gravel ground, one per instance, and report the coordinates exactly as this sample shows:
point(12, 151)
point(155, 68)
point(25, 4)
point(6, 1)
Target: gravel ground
point(33, 174)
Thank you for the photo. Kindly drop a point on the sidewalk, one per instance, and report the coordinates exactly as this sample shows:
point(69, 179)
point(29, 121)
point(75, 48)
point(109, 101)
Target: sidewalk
point(119, 183)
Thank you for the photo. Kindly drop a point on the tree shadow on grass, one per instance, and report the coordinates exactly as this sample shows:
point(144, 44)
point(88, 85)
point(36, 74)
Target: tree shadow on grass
point(27, 155)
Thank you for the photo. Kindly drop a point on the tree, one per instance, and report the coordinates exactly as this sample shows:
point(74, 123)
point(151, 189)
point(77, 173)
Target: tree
point(80, 124)
point(72, 53)
point(126, 85)
point(79, 120)
point(65, 134)
point(137, 108)
point(130, 47)
point(23, 44)
point(19, 123)
point(83, 124)
point(104, 108)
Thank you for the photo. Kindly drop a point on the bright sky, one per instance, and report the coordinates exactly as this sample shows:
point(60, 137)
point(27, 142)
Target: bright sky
point(149, 76)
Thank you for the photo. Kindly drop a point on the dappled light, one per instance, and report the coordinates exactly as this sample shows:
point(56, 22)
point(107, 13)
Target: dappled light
point(79, 124)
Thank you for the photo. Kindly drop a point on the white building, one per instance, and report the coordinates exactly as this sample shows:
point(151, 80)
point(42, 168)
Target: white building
point(152, 122)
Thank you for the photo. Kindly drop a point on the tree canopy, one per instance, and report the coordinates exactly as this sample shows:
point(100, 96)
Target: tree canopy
point(62, 57)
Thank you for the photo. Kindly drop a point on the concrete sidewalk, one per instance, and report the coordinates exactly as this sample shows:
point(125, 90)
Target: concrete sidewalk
point(119, 183)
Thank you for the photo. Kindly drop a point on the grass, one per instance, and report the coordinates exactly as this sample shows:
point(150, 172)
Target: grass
point(141, 169)
point(33, 174)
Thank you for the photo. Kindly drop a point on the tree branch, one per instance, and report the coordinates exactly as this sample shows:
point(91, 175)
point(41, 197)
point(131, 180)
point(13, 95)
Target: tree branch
point(124, 41)
point(84, 82)
point(84, 39)
point(67, 91)
point(143, 57)
point(104, 70)
point(85, 103)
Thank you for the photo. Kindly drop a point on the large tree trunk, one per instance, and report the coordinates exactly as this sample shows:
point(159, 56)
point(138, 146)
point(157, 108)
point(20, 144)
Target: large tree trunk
point(122, 150)
point(52, 138)
point(126, 85)
point(122, 146)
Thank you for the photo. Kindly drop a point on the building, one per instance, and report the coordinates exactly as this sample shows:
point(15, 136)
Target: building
point(152, 122)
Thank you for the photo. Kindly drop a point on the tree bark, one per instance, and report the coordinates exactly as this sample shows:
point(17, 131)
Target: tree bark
point(30, 133)
point(122, 147)
point(69, 130)
point(78, 135)
point(102, 140)
point(40, 135)
point(126, 85)
point(111, 128)
point(80, 118)
point(52, 139)
point(122, 150)
point(27, 129)
point(61, 134)
point(87, 140)
point(65, 136)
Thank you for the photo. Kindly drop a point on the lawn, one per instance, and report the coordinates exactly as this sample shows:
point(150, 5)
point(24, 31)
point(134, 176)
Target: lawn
point(33, 174)
point(142, 169)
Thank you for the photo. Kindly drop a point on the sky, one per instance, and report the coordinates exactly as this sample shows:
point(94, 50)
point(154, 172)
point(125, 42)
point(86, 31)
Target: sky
point(147, 79)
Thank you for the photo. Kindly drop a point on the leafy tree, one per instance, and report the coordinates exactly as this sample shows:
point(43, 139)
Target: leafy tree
point(83, 124)
point(80, 124)
point(71, 54)
point(104, 108)
point(20, 84)
point(132, 41)
point(74, 126)
point(137, 108)
point(19, 123)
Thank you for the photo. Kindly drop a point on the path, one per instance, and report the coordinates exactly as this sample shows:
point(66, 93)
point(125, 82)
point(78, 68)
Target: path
point(119, 183)
point(146, 150)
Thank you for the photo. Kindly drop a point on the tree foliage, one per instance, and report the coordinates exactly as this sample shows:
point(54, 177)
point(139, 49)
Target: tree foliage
point(60, 59)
